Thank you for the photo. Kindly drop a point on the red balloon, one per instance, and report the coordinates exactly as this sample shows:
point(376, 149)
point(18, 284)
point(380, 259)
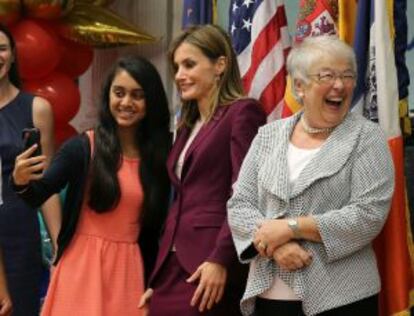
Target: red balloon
point(10, 11)
point(61, 91)
point(76, 58)
point(47, 9)
point(50, 26)
point(38, 50)
point(63, 133)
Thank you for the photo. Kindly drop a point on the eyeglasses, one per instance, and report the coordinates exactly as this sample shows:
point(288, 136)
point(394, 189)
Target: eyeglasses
point(329, 77)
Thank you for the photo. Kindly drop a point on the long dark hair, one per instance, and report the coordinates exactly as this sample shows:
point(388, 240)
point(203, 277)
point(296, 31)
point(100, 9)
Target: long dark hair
point(14, 76)
point(153, 140)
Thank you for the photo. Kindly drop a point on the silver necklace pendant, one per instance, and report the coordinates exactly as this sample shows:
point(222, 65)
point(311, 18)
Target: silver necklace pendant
point(314, 130)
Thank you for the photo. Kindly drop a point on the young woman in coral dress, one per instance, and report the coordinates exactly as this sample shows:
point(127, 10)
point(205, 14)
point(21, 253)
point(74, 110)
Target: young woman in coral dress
point(117, 192)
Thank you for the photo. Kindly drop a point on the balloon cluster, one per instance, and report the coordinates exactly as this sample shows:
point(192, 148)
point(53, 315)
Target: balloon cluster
point(55, 41)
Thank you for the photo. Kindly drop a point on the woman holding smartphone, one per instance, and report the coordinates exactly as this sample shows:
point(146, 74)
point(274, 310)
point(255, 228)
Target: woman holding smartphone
point(19, 226)
point(117, 195)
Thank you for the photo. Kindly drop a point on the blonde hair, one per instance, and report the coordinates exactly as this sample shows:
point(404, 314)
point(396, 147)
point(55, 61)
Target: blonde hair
point(213, 43)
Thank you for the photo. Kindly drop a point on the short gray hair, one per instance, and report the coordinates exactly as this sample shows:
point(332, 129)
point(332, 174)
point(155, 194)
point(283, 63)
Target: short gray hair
point(307, 53)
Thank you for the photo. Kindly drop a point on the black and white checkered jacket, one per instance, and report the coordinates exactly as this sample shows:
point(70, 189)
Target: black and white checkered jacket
point(347, 187)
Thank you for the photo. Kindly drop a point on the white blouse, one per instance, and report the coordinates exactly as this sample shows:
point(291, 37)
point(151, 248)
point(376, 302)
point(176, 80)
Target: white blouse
point(297, 159)
point(179, 165)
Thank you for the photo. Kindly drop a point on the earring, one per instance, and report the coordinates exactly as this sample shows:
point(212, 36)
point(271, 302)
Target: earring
point(299, 97)
point(217, 78)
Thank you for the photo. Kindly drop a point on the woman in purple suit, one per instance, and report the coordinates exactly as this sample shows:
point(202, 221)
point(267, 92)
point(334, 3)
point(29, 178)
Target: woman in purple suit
point(197, 271)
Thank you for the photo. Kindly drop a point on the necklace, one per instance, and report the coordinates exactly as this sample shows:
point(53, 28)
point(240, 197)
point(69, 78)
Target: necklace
point(314, 130)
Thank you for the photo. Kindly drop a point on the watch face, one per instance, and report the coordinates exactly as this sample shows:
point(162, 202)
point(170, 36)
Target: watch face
point(292, 222)
point(293, 225)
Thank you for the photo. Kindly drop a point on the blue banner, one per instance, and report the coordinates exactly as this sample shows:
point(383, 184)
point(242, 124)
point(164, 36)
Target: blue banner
point(197, 12)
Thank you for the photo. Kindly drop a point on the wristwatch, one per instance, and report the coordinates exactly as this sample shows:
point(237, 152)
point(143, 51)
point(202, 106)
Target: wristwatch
point(294, 226)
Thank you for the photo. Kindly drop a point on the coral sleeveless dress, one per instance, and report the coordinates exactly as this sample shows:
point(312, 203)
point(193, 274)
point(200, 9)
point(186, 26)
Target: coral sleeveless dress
point(101, 272)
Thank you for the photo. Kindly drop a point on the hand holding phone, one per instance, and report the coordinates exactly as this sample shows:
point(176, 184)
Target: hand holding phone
point(30, 164)
point(30, 137)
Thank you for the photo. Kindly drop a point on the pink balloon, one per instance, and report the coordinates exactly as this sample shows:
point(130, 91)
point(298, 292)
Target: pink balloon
point(61, 91)
point(38, 51)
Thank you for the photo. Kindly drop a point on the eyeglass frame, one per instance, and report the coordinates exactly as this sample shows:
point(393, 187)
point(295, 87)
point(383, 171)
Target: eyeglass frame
point(346, 80)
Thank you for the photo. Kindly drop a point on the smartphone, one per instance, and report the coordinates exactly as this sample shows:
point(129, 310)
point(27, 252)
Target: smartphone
point(30, 137)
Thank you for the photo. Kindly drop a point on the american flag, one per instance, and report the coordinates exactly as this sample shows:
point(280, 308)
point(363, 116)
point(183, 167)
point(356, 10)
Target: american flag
point(261, 40)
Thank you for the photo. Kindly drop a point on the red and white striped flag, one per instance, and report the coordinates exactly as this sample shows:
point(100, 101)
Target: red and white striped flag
point(261, 40)
point(315, 18)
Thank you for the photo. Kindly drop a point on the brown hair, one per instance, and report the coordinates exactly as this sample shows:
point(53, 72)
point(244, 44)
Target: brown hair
point(214, 42)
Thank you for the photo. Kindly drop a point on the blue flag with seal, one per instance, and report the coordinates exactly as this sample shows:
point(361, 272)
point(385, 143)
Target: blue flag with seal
point(198, 12)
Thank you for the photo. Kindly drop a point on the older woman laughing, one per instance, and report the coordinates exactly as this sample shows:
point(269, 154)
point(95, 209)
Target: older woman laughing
point(313, 192)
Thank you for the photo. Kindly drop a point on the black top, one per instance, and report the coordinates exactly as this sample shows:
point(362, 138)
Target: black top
point(19, 225)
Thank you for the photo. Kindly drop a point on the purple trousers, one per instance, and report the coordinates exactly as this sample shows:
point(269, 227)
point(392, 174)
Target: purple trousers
point(172, 294)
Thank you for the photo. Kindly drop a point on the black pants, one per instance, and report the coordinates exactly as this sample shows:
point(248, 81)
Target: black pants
point(365, 307)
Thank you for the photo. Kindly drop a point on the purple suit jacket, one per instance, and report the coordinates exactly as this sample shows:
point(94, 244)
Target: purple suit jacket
point(197, 220)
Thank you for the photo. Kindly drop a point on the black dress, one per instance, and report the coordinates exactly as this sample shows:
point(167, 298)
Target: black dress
point(19, 227)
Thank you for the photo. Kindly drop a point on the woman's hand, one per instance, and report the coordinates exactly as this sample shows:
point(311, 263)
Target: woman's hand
point(25, 167)
point(210, 288)
point(144, 301)
point(291, 256)
point(271, 234)
point(5, 305)
point(5, 301)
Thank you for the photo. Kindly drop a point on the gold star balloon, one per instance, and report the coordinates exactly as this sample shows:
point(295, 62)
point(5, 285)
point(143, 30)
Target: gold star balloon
point(100, 27)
